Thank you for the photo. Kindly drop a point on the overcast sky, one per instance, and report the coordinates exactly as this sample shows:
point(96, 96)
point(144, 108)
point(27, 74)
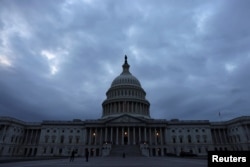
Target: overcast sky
point(58, 58)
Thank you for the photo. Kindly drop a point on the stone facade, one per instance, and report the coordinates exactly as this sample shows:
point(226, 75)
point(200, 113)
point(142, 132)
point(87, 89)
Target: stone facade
point(125, 125)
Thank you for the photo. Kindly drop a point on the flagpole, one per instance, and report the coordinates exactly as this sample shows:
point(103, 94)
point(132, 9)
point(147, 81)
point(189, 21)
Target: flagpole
point(220, 116)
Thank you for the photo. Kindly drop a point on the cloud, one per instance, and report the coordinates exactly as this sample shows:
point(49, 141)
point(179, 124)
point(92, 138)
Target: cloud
point(58, 58)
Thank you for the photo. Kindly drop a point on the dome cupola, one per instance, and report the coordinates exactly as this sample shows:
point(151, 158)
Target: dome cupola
point(125, 96)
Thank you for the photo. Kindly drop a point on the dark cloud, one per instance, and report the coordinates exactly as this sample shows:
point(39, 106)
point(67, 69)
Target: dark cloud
point(58, 58)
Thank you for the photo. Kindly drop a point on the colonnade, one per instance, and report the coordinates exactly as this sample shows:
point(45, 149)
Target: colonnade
point(246, 129)
point(31, 136)
point(125, 135)
point(220, 136)
point(129, 106)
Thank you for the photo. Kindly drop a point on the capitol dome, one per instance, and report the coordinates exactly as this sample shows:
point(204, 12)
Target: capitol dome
point(125, 96)
point(125, 78)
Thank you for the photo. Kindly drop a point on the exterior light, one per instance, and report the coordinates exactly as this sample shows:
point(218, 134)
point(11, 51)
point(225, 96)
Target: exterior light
point(125, 133)
point(157, 134)
point(93, 134)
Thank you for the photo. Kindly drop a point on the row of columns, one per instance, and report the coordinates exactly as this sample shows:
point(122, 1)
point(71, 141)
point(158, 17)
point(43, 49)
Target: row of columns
point(118, 93)
point(220, 136)
point(125, 135)
point(119, 107)
point(31, 136)
point(246, 129)
point(4, 131)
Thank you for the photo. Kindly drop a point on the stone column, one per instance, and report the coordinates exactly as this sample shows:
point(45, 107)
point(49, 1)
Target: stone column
point(155, 137)
point(219, 136)
point(35, 140)
point(90, 135)
point(101, 142)
point(117, 136)
point(31, 136)
point(145, 134)
point(226, 138)
point(95, 135)
point(247, 132)
point(128, 136)
point(150, 136)
point(133, 135)
point(139, 134)
point(161, 137)
point(122, 136)
point(111, 135)
point(106, 134)
point(27, 137)
point(4, 131)
point(215, 137)
point(143, 111)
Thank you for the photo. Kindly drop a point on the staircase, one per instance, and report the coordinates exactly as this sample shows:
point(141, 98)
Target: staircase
point(129, 150)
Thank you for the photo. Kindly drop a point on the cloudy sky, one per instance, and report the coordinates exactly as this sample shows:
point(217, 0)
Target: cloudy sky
point(58, 58)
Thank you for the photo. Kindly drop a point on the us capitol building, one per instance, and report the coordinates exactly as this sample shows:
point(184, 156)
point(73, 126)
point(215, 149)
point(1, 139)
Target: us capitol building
point(125, 127)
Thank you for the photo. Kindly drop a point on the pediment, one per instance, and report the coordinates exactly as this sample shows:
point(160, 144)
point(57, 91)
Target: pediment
point(126, 119)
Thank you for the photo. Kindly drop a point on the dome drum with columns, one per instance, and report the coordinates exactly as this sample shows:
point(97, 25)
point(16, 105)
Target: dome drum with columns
point(126, 96)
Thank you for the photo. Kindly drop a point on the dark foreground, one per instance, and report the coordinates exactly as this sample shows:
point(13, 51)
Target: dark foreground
point(113, 162)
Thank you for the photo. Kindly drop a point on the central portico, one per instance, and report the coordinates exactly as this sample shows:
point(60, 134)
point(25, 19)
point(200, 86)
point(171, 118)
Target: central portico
point(126, 130)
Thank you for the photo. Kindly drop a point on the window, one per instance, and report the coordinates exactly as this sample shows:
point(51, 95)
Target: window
point(174, 139)
point(77, 139)
point(189, 139)
point(181, 140)
point(53, 139)
point(198, 138)
point(62, 139)
point(51, 150)
point(173, 131)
